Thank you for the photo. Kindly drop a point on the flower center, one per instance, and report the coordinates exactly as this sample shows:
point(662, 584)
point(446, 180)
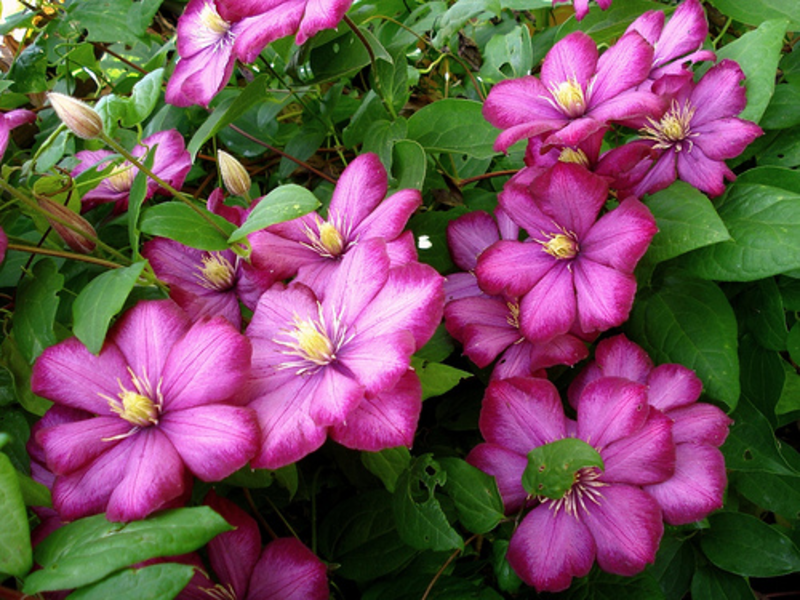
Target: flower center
point(569, 97)
point(216, 273)
point(574, 155)
point(211, 20)
point(584, 487)
point(220, 592)
point(673, 130)
point(327, 240)
point(136, 407)
point(561, 246)
point(513, 314)
point(121, 177)
point(312, 343)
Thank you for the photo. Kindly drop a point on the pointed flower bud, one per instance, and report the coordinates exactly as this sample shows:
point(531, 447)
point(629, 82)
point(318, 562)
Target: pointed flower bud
point(72, 238)
point(79, 117)
point(234, 175)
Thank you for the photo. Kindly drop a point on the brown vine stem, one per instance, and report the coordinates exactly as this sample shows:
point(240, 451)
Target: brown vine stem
point(63, 254)
point(249, 497)
point(7, 594)
point(469, 180)
point(441, 570)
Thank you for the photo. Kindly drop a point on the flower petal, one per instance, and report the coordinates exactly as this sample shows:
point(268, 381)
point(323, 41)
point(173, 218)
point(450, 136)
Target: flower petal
point(722, 139)
point(548, 309)
point(672, 386)
point(605, 295)
point(468, 236)
point(705, 174)
point(507, 468)
point(287, 570)
point(364, 268)
point(319, 15)
point(700, 423)
point(336, 393)
point(520, 101)
point(719, 93)
point(611, 409)
point(71, 446)
point(645, 457)
point(359, 191)
point(572, 58)
point(512, 268)
point(631, 50)
point(482, 325)
point(620, 237)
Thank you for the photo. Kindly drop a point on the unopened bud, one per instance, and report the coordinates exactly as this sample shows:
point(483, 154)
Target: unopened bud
point(72, 238)
point(82, 119)
point(234, 175)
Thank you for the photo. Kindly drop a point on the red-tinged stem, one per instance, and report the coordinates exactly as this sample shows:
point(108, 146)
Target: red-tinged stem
point(63, 254)
point(469, 180)
point(441, 570)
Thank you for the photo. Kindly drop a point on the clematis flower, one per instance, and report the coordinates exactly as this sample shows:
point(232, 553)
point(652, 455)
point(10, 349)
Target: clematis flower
point(582, 6)
point(12, 120)
point(284, 570)
point(171, 163)
point(606, 514)
point(699, 132)
point(579, 93)
point(157, 396)
point(574, 270)
point(3, 245)
point(313, 247)
point(699, 429)
point(339, 365)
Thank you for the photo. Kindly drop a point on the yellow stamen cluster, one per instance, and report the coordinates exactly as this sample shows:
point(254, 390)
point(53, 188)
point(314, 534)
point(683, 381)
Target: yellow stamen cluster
point(137, 407)
point(211, 20)
point(121, 177)
point(569, 97)
point(575, 156)
point(513, 314)
point(313, 343)
point(673, 130)
point(217, 273)
point(327, 240)
point(562, 246)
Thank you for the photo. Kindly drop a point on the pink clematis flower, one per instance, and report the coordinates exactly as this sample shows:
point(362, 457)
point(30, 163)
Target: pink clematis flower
point(171, 163)
point(699, 429)
point(577, 95)
point(313, 247)
point(582, 6)
point(606, 515)
point(575, 270)
point(11, 120)
point(158, 398)
point(699, 132)
point(340, 365)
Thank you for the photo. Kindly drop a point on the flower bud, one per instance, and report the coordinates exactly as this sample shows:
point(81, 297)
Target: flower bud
point(79, 117)
point(234, 175)
point(77, 242)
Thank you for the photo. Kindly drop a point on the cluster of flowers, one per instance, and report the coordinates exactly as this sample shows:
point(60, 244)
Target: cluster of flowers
point(535, 302)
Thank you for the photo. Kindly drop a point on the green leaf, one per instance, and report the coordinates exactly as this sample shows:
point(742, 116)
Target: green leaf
point(552, 467)
point(475, 495)
point(790, 395)
point(711, 583)
point(143, 98)
point(783, 110)
point(785, 179)
point(453, 125)
point(745, 545)
point(360, 535)
point(37, 303)
point(457, 16)
point(674, 566)
point(421, 522)
point(99, 301)
point(686, 221)
point(21, 370)
point(7, 391)
point(408, 165)
point(162, 581)
point(762, 310)
point(179, 222)
point(281, 204)
point(793, 343)
point(764, 223)
point(251, 478)
point(605, 26)
point(755, 12)
point(113, 21)
point(33, 492)
point(15, 541)
point(600, 585)
point(437, 378)
point(301, 146)
point(777, 493)
point(381, 137)
point(387, 465)
point(135, 200)
point(758, 53)
point(430, 229)
point(507, 56)
point(690, 322)
point(439, 347)
point(762, 376)
point(343, 55)
point(89, 549)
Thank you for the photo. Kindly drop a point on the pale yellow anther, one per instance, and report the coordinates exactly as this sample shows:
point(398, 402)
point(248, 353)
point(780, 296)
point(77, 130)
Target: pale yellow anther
point(121, 177)
point(673, 130)
point(561, 246)
point(575, 156)
point(136, 409)
point(569, 96)
point(513, 314)
point(312, 343)
point(330, 238)
point(217, 273)
point(211, 20)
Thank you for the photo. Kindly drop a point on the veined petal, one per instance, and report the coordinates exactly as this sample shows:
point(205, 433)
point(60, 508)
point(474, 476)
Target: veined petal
point(620, 237)
point(527, 130)
point(512, 268)
point(482, 325)
point(197, 79)
point(153, 475)
point(620, 357)
point(518, 102)
point(254, 33)
point(525, 209)
point(507, 468)
point(672, 386)
point(611, 409)
point(236, 10)
point(319, 15)
point(375, 362)
point(287, 570)
point(274, 314)
point(685, 31)
point(212, 441)
point(461, 285)
point(359, 191)
point(697, 486)
point(211, 363)
point(605, 295)
point(649, 26)
point(402, 250)
point(71, 446)
point(660, 176)
point(468, 236)
point(631, 50)
point(645, 457)
point(573, 196)
point(725, 138)
point(627, 529)
point(719, 93)
point(575, 132)
point(571, 59)
point(548, 309)
point(336, 394)
point(700, 423)
point(703, 173)
point(364, 269)
point(521, 414)
point(549, 548)
point(384, 420)
point(389, 218)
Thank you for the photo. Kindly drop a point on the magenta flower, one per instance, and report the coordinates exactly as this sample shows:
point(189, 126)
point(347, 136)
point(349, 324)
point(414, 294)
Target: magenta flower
point(575, 270)
point(606, 514)
point(582, 6)
point(339, 365)
point(11, 120)
point(158, 397)
point(699, 429)
point(171, 163)
point(578, 94)
point(3, 245)
point(699, 132)
point(313, 247)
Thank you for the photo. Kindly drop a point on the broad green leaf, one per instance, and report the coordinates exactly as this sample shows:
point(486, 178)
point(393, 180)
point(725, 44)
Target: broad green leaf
point(7, 392)
point(302, 145)
point(437, 378)
point(605, 26)
point(14, 423)
point(508, 56)
point(361, 536)
point(21, 370)
point(162, 581)
point(761, 308)
point(143, 98)
point(15, 540)
point(785, 179)
point(413, 585)
point(227, 112)
point(686, 221)
point(439, 347)
point(711, 583)
point(475, 495)
point(381, 137)
point(755, 12)
point(674, 566)
point(387, 465)
point(507, 578)
point(135, 199)
point(99, 301)
point(600, 585)
point(251, 478)
point(793, 343)
point(89, 549)
point(758, 53)
point(281, 204)
point(33, 492)
point(762, 376)
point(783, 110)
point(453, 125)
point(790, 395)
point(764, 224)
point(179, 222)
point(113, 20)
point(777, 493)
point(421, 522)
point(690, 322)
point(745, 545)
point(369, 111)
point(781, 149)
point(552, 467)
point(37, 303)
point(430, 229)
point(457, 16)
point(408, 165)
point(343, 55)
